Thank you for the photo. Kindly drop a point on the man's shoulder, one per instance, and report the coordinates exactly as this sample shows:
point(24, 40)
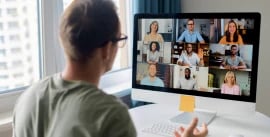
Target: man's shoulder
point(196, 32)
point(39, 86)
point(239, 58)
point(145, 79)
point(194, 54)
point(159, 79)
point(185, 32)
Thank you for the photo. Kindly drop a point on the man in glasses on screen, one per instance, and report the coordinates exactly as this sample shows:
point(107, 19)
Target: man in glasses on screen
point(190, 35)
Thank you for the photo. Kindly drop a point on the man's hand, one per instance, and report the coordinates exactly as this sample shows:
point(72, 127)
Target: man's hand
point(191, 130)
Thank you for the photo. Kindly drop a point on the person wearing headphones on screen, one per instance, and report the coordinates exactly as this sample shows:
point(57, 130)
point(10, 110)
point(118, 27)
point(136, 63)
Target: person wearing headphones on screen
point(70, 104)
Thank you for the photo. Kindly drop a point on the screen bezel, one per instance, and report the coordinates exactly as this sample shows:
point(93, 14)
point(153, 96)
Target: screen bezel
point(253, 87)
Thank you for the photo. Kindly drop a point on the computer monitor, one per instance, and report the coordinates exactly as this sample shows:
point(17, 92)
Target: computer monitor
point(213, 55)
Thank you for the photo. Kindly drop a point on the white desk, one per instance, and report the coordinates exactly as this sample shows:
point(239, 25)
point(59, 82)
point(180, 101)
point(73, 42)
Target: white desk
point(223, 125)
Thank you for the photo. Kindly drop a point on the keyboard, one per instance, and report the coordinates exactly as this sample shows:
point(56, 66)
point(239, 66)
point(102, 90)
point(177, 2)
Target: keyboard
point(164, 129)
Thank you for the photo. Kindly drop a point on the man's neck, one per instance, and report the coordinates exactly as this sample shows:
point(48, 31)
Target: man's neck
point(189, 54)
point(233, 56)
point(152, 78)
point(82, 72)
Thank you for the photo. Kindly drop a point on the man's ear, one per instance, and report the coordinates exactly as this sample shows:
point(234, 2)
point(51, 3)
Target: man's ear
point(107, 50)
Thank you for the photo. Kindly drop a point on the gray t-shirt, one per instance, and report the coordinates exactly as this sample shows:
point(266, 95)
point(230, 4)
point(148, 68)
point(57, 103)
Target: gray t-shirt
point(153, 56)
point(57, 108)
point(235, 62)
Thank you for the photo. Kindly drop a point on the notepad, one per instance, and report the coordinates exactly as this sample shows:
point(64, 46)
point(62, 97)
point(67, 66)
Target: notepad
point(187, 103)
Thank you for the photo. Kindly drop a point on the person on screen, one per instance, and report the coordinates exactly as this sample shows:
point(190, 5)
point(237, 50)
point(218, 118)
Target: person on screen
point(153, 53)
point(229, 86)
point(187, 82)
point(190, 35)
point(233, 61)
point(189, 58)
point(152, 79)
point(231, 35)
point(70, 104)
point(153, 34)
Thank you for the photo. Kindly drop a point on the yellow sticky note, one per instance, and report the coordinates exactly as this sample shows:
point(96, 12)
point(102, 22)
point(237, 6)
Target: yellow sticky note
point(187, 103)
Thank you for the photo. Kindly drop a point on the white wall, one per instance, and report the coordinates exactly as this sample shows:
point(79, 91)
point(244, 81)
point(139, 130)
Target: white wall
point(262, 6)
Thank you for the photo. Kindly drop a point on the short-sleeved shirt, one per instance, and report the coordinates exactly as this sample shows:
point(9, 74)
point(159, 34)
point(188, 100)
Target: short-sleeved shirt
point(192, 60)
point(187, 83)
point(190, 37)
point(158, 37)
point(153, 56)
point(235, 62)
point(55, 107)
point(157, 82)
point(234, 90)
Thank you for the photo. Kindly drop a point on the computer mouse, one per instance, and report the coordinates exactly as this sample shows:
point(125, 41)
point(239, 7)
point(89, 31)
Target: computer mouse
point(236, 135)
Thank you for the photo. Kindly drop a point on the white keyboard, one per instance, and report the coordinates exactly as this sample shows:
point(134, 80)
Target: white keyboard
point(163, 129)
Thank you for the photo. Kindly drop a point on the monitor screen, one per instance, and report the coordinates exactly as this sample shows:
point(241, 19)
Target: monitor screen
point(203, 54)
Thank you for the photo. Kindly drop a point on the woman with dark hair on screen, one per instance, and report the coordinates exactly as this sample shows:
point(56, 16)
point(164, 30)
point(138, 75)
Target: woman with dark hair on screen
point(153, 53)
point(230, 86)
point(153, 34)
point(231, 35)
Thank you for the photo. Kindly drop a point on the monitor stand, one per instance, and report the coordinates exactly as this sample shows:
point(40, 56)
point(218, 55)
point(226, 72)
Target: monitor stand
point(204, 116)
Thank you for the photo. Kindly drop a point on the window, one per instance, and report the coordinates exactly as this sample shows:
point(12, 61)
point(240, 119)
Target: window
point(16, 50)
point(25, 23)
point(22, 50)
point(2, 40)
point(2, 52)
point(3, 66)
point(12, 12)
point(26, 34)
point(18, 75)
point(14, 38)
point(3, 77)
point(13, 25)
point(1, 24)
point(17, 63)
point(25, 9)
point(122, 57)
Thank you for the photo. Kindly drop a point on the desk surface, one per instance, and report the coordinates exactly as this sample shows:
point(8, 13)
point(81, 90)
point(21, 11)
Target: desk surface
point(223, 125)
